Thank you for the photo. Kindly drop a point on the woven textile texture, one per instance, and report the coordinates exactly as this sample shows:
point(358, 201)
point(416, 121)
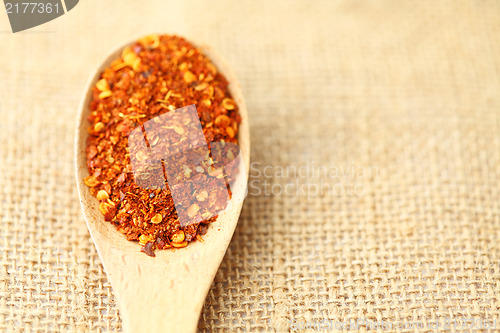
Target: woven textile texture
point(374, 190)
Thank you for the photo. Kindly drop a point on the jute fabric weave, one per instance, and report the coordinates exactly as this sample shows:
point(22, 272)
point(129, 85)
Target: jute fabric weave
point(374, 190)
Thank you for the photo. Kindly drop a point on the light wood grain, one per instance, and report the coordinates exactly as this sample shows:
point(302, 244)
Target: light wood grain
point(164, 293)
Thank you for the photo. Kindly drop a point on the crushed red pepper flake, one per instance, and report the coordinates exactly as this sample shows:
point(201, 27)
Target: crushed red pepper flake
point(153, 76)
point(148, 249)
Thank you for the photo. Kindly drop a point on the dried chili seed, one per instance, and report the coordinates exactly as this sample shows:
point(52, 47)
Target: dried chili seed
point(178, 237)
point(228, 104)
point(143, 239)
point(91, 181)
point(105, 94)
point(202, 196)
point(102, 195)
point(222, 120)
point(230, 132)
point(193, 210)
point(154, 75)
point(99, 127)
point(189, 77)
point(102, 85)
point(181, 244)
point(156, 219)
point(107, 209)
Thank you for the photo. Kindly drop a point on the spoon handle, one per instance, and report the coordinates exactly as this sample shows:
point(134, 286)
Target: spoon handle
point(155, 295)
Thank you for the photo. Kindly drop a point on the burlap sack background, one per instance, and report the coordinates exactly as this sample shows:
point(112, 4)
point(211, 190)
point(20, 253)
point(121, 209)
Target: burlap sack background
point(405, 93)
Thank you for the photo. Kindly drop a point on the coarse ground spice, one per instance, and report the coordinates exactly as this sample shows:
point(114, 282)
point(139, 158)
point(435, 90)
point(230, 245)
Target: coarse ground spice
point(155, 75)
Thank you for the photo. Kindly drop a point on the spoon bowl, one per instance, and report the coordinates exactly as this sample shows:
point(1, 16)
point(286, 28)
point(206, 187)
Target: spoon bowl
point(163, 293)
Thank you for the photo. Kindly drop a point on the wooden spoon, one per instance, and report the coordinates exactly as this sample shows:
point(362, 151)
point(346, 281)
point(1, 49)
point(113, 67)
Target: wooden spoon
point(164, 293)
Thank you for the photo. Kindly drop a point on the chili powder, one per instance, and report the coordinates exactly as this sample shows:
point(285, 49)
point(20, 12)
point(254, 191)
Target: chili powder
point(154, 75)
